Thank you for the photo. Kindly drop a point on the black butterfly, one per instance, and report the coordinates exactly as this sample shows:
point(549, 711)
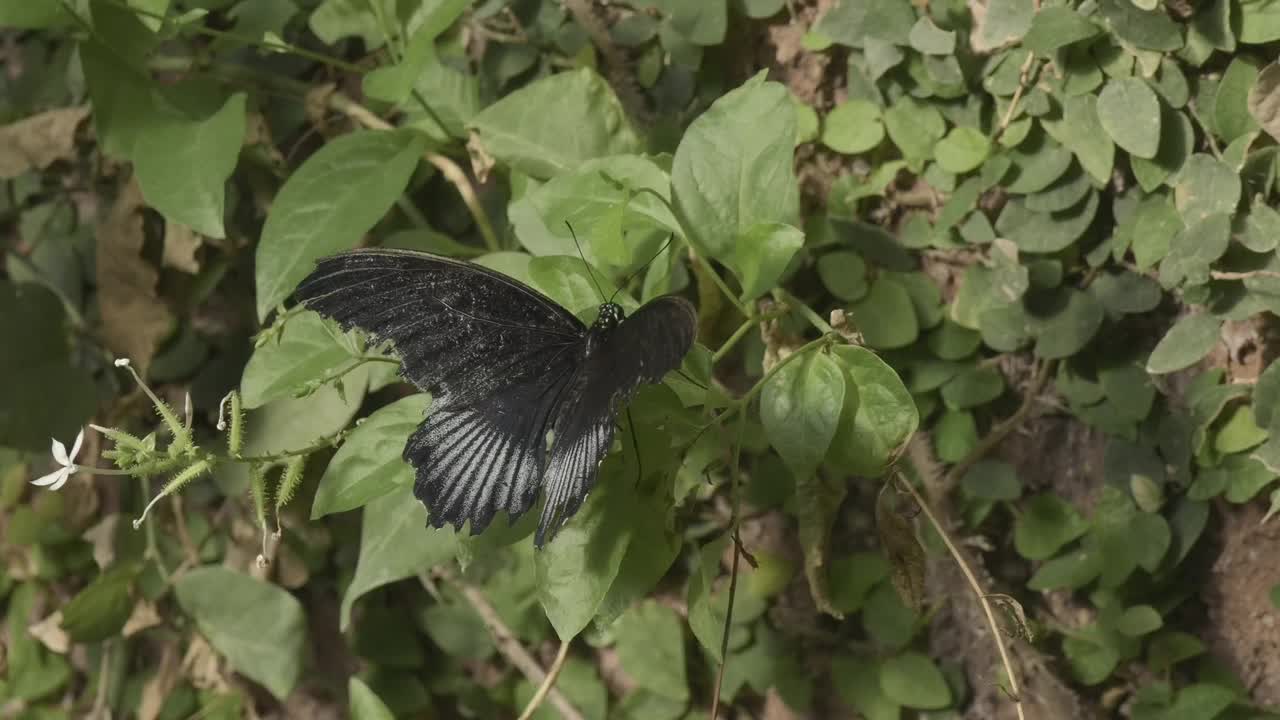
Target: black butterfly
point(523, 393)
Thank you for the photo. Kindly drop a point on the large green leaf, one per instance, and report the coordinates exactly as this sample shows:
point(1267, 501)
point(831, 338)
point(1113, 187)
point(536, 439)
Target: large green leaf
point(800, 408)
point(369, 464)
point(183, 164)
point(259, 627)
point(651, 649)
point(306, 349)
point(395, 543)
point(556, 124)
point(874, 431)
point(733, 169)
point(577, 568)
point(328, 204)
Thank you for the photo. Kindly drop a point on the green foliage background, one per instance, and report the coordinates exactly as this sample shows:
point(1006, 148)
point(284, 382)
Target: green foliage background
point(932, 238)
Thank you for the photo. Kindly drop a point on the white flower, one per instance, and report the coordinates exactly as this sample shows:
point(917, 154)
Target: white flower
point(56, 479)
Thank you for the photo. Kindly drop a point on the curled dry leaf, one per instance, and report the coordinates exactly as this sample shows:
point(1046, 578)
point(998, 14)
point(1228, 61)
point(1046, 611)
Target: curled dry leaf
point(144, 616)
point(50, 633)
point(161, 683)
point(180, 246)
point(481, 161)
point(37, 142)
point(102, 537)
point(906, 556)
point(134, 318)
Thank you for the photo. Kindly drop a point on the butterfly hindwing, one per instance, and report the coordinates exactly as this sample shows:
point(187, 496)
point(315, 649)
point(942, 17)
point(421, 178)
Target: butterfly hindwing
point(642, 349)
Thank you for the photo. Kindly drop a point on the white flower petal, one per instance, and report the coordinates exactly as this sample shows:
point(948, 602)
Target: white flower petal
point(122, 362)
point(75, 446)
point(56, 478)
point(60, 453)
point(62, 480)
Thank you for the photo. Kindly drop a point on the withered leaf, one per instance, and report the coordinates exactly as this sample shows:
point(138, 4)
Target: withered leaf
point(903, 549)
point(39, 141)
point(134, 318)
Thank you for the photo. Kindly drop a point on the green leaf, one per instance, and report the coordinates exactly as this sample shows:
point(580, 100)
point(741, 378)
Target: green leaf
point(1081, 131)
point(526, 129)
point(853, 127)
point(857, 681)
point(962, 150)
point(600, 192)
point(886, 316)
point(952, 341)
point(1177, 140)
point(307, 349)
point(184, 162)
point(706, 599)
point(854, 22)
point(1201, 701)
point(1190, 339)
point(800, 409)
point(1140, 620)
point(1170, 647)
point(912, 680)
point(333, 20)
point(1155, 224)
point(1231, 115)
point(874, 430)
point(733, 168)
point(1264, 98)
point(851, 578)
point(1057, 27)
point(1064, 193)
point(1126, 293)
point(260, 628)
point(955, 435)
point(914, 127)
point(395, 543)
point(369, 463)
point(651, 649)
point(973, 388)
point(1006, 21)
point(34, 16)
point(1070, 323)
point(337, 195)
point(763, 253)
point(1073, 570)
point(991, 480)
point(577, 568)
point(1130, 113)
point(100, 610)
point(1146, 29)
point(1206, 186)
point(1039, 232)
point(365, 704)
point(928, 38)
point(1266, 396)
point(1240, 432)
point(45, 394)
point(1046, 524)
point(1091, 658)
point(844, 274)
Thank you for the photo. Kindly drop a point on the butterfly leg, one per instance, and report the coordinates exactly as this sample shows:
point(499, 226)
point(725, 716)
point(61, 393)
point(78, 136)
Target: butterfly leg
point(635, 444)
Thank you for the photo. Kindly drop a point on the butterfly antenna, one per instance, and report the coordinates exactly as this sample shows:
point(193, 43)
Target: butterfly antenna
point(629, 278)
point(584, 259)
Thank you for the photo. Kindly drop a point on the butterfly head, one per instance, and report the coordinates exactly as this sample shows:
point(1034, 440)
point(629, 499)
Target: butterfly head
point(609, 317)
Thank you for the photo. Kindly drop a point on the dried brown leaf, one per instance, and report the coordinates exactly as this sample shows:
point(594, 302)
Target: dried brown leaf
point(180, 246)
point(157, 689)
point(134, 318)
point(144, 616)
point(102, 537)
point(903, 549)
point(37, 142)
point(50, 633)
point(1264, 100)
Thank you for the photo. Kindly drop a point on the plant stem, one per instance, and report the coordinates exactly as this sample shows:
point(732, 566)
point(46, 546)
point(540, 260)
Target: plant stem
point(733, 572)
point(548, 683)
point(814, 318)
point(975, 586)
point(153, 549)
point(506, 642)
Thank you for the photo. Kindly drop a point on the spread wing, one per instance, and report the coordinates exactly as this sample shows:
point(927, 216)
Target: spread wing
point(643, 349)
point(496, 356)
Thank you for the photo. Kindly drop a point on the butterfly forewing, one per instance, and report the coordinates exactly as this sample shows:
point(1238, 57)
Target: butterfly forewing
point(505, 365)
